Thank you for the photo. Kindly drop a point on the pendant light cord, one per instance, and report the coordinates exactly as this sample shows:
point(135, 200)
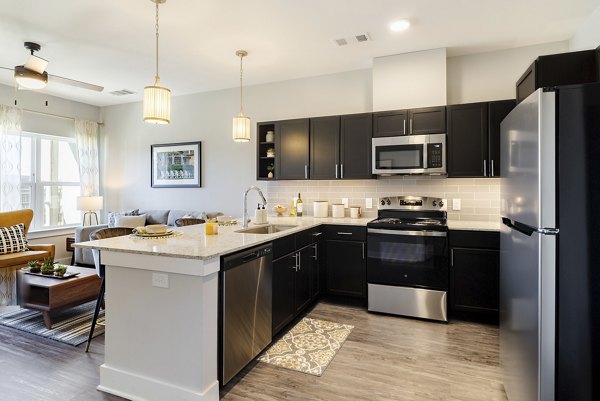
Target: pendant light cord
point(241, 86)
point(156, 78)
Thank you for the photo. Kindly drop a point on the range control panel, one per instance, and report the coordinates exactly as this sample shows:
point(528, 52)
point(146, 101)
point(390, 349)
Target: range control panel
point(411, 203)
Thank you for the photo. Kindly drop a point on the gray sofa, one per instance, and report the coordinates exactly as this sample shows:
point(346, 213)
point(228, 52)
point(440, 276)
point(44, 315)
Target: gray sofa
point(83, 257)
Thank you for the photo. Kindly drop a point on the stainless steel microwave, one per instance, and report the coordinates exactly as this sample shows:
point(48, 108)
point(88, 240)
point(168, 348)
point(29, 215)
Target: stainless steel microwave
point(410, 154)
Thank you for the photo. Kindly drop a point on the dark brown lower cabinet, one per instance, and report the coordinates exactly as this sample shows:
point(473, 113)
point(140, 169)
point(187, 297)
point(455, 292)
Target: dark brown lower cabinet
point(347, 268)
point(296, 282)
point(474, 275)
point(283, 292)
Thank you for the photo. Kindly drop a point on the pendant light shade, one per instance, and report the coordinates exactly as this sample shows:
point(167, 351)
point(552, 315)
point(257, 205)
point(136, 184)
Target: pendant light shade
point(241, 123)
point(157, 105)
point(241, 128)
point(157, 99)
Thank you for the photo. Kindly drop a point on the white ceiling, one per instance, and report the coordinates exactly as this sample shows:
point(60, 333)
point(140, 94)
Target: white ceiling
point(111, 42)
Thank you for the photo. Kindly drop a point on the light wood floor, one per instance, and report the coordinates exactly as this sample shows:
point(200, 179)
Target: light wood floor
point(384, 358)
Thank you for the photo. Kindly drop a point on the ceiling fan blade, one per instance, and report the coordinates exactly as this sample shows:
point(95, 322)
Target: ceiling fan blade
point(7, 68)
point(73, 82)
point(37, 64)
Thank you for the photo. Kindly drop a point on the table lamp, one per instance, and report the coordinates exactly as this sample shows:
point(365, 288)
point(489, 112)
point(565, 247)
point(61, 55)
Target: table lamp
point(89, 204)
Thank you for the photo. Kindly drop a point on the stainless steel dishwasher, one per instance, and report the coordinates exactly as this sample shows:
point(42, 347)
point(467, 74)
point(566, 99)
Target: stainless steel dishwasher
point(245, 308)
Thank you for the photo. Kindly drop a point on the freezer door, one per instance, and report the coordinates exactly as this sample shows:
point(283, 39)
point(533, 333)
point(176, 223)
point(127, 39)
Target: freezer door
point(527, 257)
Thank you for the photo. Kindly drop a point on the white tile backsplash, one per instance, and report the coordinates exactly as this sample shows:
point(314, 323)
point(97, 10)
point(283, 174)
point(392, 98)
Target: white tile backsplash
point(480, 197)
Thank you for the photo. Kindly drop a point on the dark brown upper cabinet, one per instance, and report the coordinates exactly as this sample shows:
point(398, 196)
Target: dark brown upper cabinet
point(340, 147)
point(291, 149)
point(474, 138)
point(355, 150)
point(324, 148)
point(427, 120)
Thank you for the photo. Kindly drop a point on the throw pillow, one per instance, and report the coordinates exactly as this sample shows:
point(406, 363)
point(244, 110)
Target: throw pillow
point(12, 239)
point(130, 221)
point(113, 215)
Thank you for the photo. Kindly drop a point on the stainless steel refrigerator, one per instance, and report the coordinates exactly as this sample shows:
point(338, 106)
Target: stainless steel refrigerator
point(550, 246)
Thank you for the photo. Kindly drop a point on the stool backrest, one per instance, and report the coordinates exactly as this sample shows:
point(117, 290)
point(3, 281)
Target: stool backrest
point(104, 233)
point(185, 221)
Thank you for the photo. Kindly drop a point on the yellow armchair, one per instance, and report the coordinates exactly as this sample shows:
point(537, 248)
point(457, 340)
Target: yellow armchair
point(9, 263)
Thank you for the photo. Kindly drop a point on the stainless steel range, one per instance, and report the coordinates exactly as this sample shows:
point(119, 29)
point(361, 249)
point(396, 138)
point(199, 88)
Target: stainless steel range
point(407, 258)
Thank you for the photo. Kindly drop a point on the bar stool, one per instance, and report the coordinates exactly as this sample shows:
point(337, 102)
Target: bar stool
point(103, 233)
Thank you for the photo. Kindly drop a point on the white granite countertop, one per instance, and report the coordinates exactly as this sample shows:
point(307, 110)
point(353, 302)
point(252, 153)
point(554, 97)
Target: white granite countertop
point(195, 244)
point(474, 225)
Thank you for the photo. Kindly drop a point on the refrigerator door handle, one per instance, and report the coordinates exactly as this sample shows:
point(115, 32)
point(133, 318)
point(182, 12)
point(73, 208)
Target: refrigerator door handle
point(527, 229)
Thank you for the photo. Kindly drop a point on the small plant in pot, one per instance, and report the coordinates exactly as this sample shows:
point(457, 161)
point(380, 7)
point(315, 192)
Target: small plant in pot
point(48, 266)
point(60, 270)
point(34, 266)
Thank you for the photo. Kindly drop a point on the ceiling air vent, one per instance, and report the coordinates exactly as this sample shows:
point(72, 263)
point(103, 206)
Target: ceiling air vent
point(122, 92)
point(351, 40)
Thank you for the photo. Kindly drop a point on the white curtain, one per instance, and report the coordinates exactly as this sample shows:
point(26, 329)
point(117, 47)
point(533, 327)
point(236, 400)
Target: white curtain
point(10, 186)
point(10, 158)
point(86, 134)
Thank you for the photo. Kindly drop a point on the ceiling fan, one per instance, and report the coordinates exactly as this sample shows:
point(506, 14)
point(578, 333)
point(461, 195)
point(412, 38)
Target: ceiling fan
point(33, 75)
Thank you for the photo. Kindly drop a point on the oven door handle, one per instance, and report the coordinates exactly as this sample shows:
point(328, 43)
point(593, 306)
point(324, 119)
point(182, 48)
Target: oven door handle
point(423, 233)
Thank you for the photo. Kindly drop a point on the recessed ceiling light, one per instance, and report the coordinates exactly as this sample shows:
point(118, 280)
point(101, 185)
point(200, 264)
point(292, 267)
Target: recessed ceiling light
point(400, 25)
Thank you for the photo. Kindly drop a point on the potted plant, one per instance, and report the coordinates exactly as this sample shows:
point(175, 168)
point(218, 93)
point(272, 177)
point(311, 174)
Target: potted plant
point(34, 266)
point(270, 169)
point(60, 270)
point(48, 266)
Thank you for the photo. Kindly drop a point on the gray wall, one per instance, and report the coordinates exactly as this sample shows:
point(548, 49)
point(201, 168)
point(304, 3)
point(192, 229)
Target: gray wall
point(228, 167)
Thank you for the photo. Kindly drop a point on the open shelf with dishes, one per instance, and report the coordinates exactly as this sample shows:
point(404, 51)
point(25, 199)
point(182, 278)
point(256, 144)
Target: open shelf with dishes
point(265, 163)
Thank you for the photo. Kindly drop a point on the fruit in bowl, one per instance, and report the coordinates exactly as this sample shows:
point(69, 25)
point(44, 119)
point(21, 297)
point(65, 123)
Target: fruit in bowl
point(280, 210)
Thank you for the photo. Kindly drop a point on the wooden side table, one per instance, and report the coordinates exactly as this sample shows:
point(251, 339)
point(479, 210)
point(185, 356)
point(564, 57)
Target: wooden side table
point(70, 248)
point(49, 294)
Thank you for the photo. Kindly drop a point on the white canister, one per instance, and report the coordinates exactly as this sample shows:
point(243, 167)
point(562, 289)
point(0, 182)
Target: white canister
point(269, 137)
point(320, 208)
point(337, 210)
point(354, 212)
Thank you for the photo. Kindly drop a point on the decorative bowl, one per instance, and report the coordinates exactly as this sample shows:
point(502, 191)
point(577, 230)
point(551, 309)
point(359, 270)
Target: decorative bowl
point(280, 210)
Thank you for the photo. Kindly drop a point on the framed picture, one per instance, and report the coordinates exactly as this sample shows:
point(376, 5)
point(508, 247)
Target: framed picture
point(176, 165)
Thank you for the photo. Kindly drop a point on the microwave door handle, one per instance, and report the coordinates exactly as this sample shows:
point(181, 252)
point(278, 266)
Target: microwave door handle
point(425, 161)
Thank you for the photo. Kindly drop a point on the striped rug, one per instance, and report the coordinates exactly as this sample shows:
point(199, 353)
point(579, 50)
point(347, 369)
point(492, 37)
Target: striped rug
point(71, 326)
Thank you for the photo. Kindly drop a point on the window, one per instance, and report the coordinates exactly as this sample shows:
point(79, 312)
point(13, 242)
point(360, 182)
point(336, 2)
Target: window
point(49, 180)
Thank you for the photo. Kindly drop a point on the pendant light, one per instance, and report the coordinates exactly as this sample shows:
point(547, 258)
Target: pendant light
point(241, 123)
point(157, 99)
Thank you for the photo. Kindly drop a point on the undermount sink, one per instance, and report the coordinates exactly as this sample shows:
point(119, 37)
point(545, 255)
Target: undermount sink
point(268, 229)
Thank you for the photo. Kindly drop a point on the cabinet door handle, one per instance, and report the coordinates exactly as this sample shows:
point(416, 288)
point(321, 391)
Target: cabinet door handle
point(315, 256)
point(336, 171)
point(363, 250)
point(296, 263)
point(299, 262)
point(411, 125)
point(404, 126)
point(343, 233)
point(485, 168)
point(317, 234)
point(492, 166)
point(342, 170)
point(452, 257)
point(305, 171)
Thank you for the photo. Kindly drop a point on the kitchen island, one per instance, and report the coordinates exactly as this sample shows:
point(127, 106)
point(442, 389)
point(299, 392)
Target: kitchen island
point(162, 308)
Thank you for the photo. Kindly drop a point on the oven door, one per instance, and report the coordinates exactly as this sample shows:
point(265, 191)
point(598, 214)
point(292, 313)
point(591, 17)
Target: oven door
point(408, 258)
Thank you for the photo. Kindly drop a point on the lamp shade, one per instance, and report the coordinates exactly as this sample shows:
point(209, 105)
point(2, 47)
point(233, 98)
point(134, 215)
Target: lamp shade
point(30, 79)
point(157, 105)
point(241, 128)
point(88, 203)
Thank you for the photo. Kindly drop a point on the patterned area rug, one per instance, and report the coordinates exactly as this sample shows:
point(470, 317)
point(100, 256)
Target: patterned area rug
point(308, 347)
point(71, 326)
